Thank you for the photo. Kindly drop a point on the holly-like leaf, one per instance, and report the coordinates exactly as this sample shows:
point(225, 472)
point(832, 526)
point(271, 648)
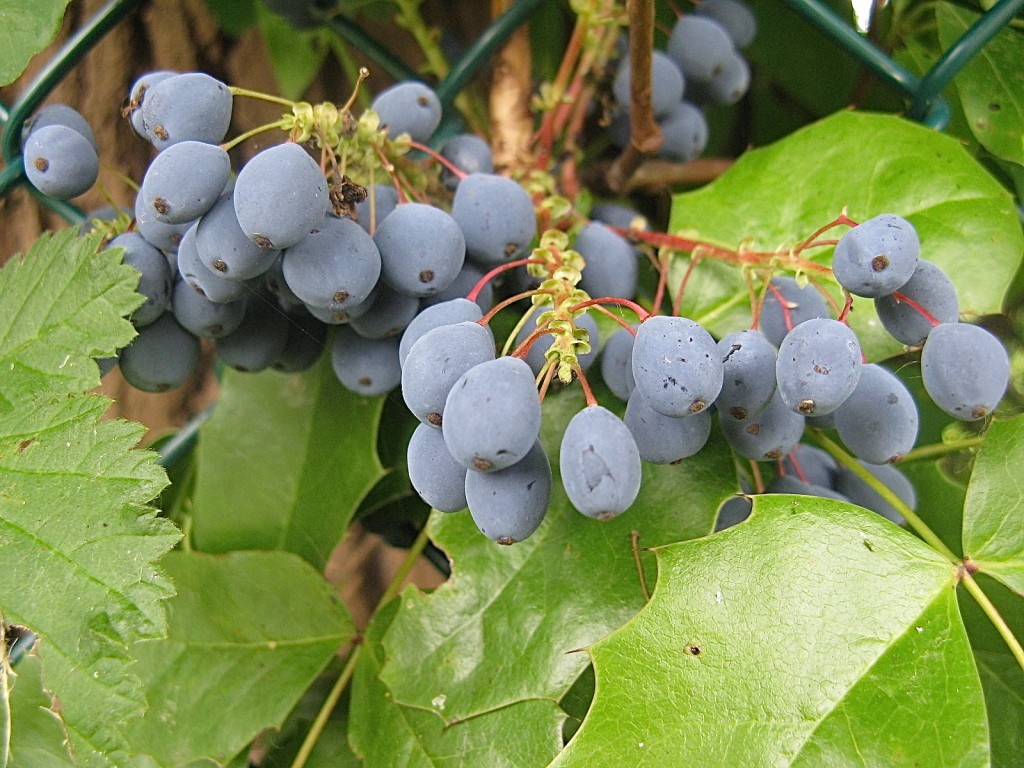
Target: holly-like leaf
point(284, 462)
point(1001, 676)
point(38, 737)
point(26, 27)
point(991, 84)
point(814, 633)
point(384, 733)
point(940, 501)
point(60, 306)
point(993, 531)
point(248, 634)
point(280, 747)
point(77, 558)
point(773, 198)
point(502, 629)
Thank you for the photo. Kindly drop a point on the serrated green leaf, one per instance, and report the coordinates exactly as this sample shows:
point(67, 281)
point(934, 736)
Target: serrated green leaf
point(815, 633)
point(248, 634)
point(77, 555)
point(38, 739)
point(295, 55)
point(991, 84)
point(61, 305)
point(1001, 676)
point(26, 27)
point(386, 734)
point(993, 531)
point(284, 462)
point(775, 197)
point(515, 613)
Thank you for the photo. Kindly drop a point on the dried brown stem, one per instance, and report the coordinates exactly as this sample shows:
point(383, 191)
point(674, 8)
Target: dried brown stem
point(644, 133)
point(654, 176)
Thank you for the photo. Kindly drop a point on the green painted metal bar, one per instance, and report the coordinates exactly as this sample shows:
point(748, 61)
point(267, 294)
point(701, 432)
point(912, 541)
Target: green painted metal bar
point(953, 60)
point(358, 39)
point(68, 57)
point(13, 175)
point(183, 441)
point(51, 75)
point(858, 46)
point(482, 48)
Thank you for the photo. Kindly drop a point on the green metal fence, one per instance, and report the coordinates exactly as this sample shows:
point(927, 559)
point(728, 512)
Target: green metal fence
point(923, 95)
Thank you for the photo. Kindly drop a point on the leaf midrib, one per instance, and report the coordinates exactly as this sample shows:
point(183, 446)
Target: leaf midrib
point(867, 667)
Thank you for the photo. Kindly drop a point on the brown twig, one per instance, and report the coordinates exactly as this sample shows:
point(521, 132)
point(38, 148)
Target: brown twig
point(654, 176)
point(644, 133)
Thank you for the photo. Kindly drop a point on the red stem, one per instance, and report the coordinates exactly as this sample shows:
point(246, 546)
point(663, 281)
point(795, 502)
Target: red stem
point(456, 171)
point(390, 169)
point(847, 306)
point(786, 317)
point(796, 465)
point(659, 294)
point(565, 111)
point(901, 297)
point(755, 471)
point(524, 348)
point(545, 135)
point(508, 302)
point(472, 295)
point(547, 382)
point(616, 318)
point(839, 220)
point(826, 294)
point(641, 313)
point(694, 258)
point(591, 400)
point(754, 258)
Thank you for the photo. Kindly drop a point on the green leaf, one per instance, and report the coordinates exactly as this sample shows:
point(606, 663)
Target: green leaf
point(385, 734)
point(813, 634)
point(234, 16)
point(576, 702)
point(795, 83)
point(295, 55)
point(26, 27)
point(514, 614)
point(5, 700)
point(248, 634)
point(331, 749)
point(60, 306)
point(284, 462)
point(940, 502)
point(991, 84)
point(993, 532)
point(77, 555)
point(38, 737)
point(1001, 675)
point(773, 198)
